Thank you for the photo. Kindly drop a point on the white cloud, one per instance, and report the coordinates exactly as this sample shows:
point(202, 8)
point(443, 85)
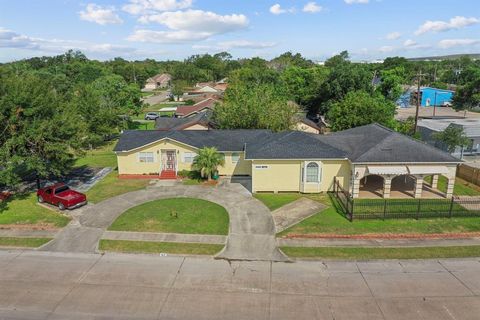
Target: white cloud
point(409, 43)
point(277, 9)
point(246, 44)
point(457, 22)
point(393, 35)
point(312, 7)
point(100, 15)
point(451, 43)
point(199, 21)
point(356, 1)
point(137, 7)
point(190, 25)
point(385, 49)
point(12, 40)
point(167, 36)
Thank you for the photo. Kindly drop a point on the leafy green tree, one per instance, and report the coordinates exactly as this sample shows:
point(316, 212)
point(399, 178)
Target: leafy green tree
point(207, 161)
point(391, 83)
point(40, 133)
point(467, 96)
point(179, 87)
point(452, 137)
point(359, 108)
point(263, 106)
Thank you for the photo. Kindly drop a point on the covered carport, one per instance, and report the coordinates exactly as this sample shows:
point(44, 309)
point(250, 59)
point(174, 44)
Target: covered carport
point(401, 181)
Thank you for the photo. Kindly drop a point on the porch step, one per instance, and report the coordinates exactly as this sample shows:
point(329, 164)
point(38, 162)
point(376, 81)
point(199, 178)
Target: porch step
point(168, 175)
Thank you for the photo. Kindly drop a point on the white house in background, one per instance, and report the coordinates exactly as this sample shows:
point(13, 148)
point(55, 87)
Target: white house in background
point(471, 127)
point(159, 81)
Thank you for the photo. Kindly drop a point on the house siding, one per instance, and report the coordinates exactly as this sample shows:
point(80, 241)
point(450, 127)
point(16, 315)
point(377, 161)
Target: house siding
point(128, 163)
point(285, 175)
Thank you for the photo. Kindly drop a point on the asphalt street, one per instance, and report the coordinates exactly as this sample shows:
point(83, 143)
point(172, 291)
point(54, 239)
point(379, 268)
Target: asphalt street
point(53, 285)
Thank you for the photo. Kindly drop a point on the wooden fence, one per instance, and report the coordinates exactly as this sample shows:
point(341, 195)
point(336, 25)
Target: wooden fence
point(468, 173)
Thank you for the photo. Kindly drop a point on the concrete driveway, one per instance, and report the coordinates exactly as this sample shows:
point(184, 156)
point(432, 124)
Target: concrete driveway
point(41, 285)
point(251, 231)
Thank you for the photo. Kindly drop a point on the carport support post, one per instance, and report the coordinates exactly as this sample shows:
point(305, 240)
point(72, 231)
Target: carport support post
point(450, 185)
point(418, 186)
point(435, 181)
point(387, 186)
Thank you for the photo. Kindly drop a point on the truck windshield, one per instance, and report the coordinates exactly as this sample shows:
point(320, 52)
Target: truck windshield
point(61, 189)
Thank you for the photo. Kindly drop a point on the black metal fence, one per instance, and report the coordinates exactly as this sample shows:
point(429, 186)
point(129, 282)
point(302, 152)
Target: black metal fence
point(405, 208)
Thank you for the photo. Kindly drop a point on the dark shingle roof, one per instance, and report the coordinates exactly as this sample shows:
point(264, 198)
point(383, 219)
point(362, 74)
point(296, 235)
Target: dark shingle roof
point(169, 123)
point(223, 140)
point(366, 144)
point(376, 143)
point(291, 145)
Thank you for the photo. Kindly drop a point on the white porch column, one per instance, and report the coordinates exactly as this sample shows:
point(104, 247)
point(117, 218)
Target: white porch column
point(435, 181)
point(450, 185)
point(387, 186)
point(355, 187)
point(418, 186)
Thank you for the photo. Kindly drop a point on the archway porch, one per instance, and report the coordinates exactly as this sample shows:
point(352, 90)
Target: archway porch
point(401, 182)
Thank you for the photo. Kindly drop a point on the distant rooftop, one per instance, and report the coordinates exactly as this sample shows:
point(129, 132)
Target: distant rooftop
point(470, 126)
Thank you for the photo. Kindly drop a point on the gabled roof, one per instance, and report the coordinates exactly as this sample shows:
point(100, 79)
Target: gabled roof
point(308, 122)
point(160, 78)
point(291, 145)
point(367, 144)
point(376, 143)
point(223, 140)
point(185, 111)
point(169, 123)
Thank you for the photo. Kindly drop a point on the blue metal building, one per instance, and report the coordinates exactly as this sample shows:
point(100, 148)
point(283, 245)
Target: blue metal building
point(434, 96)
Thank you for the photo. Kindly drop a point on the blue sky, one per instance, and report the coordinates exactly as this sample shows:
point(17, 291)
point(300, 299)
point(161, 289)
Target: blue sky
point(175, 29)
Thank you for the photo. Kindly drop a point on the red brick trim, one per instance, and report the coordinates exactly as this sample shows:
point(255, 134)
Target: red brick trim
point(138, 176)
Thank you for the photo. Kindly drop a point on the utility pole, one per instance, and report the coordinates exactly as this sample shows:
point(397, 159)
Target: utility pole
point(419, 80)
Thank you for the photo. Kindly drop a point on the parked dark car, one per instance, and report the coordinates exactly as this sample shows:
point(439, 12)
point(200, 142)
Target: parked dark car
point(151, 116)
point(62, 196)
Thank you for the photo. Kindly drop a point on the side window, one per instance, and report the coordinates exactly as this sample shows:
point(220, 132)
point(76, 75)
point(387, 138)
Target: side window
point(235, 157)
point(145, 157)
point(313, 172)
point(48, 191)
point(189, 156)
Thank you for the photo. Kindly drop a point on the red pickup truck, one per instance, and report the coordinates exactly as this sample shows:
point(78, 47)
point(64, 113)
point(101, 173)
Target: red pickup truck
point(62, 196)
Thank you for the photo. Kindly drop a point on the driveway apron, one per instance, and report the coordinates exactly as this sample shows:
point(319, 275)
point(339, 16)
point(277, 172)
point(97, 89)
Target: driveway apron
point(251, 230)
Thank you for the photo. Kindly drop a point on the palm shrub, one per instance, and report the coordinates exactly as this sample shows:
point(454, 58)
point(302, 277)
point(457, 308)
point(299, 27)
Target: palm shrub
point(207, 161)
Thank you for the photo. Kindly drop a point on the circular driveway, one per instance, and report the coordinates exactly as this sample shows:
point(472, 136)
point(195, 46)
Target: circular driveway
point(251, 230)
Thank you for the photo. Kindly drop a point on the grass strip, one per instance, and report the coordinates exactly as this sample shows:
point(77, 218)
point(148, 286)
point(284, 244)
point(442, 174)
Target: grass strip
point(159, 247)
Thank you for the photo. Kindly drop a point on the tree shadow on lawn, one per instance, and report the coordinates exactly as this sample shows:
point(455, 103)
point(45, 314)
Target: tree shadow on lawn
point(5, 199)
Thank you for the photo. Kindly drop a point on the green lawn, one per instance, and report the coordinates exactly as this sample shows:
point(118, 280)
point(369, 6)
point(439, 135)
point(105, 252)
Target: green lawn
point(136, 125)
point(276, 200)
point(99, 158)
point(112, 186)
point(382, 253)
point(22, 209)
point(461, 188)
point(331, 221)
point(159, 247)
point(177, 215)
point(23, 242)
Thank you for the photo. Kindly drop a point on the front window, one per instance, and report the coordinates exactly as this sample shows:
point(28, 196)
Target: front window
point(145, 157)
point(235, 157)
point(189, 156)
point(312, 172)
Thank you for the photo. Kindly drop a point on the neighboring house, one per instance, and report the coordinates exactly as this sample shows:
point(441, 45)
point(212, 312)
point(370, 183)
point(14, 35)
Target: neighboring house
point(306, 125)
point(471, 127)
point(159, 81)
point(291, 161)
point(199, 122)
point(190, 111)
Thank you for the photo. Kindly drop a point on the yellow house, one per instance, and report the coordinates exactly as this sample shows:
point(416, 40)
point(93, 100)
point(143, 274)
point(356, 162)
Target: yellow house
point(291, 161)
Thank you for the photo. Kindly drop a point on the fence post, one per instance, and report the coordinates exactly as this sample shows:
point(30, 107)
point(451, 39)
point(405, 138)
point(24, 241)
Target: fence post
point(418, 209)
point(384, 208)
point(451, 208)
point(351, 211)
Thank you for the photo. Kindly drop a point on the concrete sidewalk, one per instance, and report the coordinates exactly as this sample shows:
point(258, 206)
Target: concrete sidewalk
point(46, 285)
point(294, 212)
point(164, 237)
point(14, 233)
point(377, 243)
